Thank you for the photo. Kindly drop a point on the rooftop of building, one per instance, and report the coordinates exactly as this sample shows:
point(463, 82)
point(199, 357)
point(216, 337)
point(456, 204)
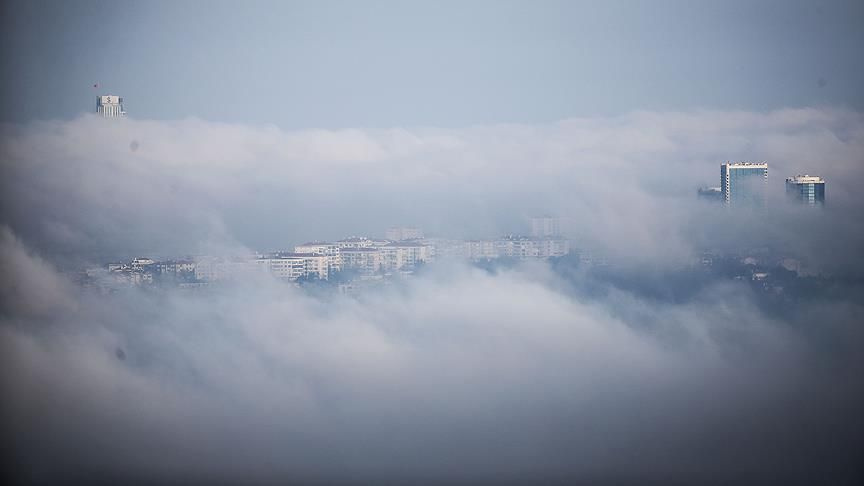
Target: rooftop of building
point(751, 165)
point(291, 254)
point(805, 179)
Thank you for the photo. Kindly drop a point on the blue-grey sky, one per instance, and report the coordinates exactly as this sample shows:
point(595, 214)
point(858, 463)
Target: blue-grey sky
point(382, 64)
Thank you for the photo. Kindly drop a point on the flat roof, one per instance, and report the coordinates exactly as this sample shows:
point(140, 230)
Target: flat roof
point(802, 179)
point(751, 165)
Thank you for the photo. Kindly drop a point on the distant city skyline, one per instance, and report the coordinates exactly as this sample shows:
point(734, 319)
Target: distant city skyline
point(416, 242)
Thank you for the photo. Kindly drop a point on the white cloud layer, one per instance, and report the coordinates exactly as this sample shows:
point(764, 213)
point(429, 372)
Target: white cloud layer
point(460, 374)
point(626, 183)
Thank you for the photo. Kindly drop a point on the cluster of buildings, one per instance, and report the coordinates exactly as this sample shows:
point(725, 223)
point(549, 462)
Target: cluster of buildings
point(357, 255)
point(744, 183)
point(403, 251)
point(142, 271)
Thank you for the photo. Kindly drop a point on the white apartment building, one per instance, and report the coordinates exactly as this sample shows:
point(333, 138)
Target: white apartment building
point(512, 246)
point(318, 265)
point(396, 256)
point(526, 247)
point(517, 247)
point(481, 249)
point(331, 250)
point(365, 260)
point(292, 266)
point(354, 242)
point(110, 106)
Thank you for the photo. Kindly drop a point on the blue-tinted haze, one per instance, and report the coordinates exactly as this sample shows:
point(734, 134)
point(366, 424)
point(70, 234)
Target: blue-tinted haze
point(382, 64)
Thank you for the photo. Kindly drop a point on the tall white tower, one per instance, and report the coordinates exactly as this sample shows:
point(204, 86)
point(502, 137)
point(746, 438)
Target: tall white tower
point(110, 106)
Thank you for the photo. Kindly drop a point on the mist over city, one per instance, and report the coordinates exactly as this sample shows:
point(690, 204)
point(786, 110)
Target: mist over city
point(432, 243)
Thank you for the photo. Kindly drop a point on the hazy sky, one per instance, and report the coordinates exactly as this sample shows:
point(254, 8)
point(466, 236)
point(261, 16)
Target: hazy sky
point(258, 127)
point(384, 64)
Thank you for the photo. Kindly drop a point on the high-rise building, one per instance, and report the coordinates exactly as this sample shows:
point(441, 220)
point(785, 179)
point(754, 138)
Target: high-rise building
point(806, 189)
point(110, 106)
point(545, 227)
point(744, 182)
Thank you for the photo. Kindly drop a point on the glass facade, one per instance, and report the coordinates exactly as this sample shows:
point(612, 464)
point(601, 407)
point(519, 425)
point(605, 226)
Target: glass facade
point(806, 190)
point(744, 183)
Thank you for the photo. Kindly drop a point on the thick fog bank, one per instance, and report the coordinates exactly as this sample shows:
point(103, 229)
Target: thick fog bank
point(92, 189)
point(459, 375)
point(646, 369)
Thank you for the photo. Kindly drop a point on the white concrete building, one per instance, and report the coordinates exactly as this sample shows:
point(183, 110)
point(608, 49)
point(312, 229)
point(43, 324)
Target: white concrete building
point(110, 106)
point(331, 250)
point(290, 268)
point(365, 260)
point(397, 256)
point(481, 249)
point(354, 242)
point(318, 265)
point(517, 247)
point(514, 246)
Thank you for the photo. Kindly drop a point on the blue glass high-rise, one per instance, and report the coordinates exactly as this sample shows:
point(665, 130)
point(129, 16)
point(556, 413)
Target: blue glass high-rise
point(808, 190)
point(744, 183)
